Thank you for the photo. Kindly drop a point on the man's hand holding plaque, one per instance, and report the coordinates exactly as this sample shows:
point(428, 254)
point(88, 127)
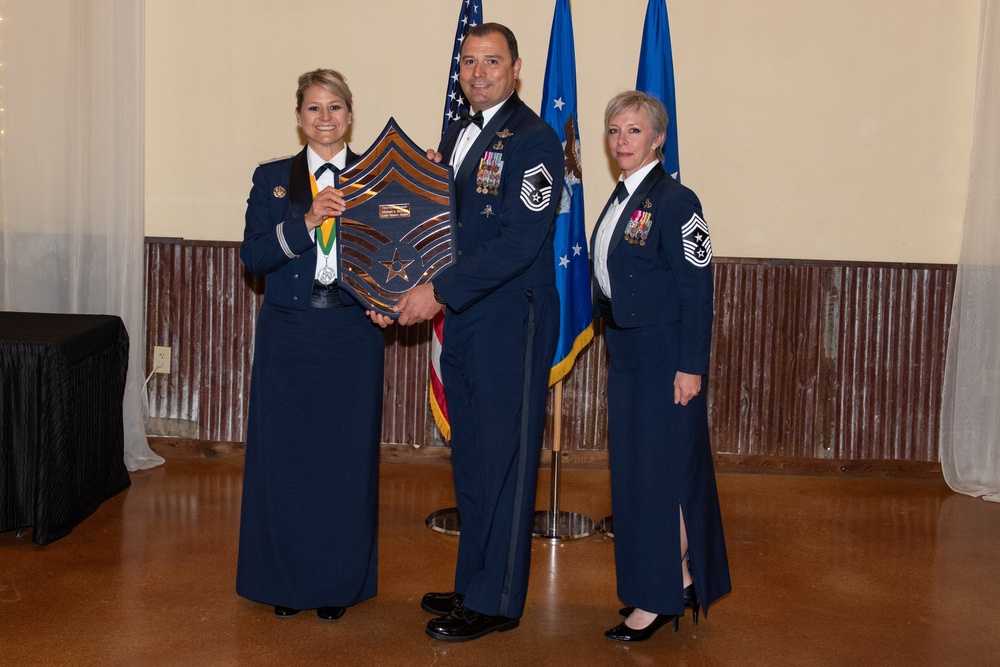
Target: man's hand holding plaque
point(418, 305)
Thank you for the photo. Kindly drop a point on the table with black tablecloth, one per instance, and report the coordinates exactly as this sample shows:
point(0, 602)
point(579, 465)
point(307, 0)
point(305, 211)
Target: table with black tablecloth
point(62, 380)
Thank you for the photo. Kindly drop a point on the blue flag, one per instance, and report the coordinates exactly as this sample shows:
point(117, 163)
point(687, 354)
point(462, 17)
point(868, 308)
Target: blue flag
point(559, 109)
point(656, 76)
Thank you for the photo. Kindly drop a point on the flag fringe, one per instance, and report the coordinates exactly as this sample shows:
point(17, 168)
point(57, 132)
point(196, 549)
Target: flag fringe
point(560, 370)
point(439, 419)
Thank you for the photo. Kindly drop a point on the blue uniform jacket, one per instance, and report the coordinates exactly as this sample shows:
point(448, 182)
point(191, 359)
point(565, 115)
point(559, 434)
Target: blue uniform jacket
point(659, 263)
point(276, 242)
point(502, 229)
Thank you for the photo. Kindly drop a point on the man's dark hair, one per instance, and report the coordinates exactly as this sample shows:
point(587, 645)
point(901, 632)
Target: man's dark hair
point(492, 29)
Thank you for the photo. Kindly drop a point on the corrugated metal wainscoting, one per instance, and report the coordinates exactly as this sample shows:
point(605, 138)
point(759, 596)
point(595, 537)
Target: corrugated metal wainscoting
point(811, 360)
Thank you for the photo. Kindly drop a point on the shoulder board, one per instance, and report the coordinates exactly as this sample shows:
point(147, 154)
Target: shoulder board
point(278, 159)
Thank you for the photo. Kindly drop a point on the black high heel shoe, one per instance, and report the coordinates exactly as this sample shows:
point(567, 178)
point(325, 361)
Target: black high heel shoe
point(690, 602)
point(623, 633)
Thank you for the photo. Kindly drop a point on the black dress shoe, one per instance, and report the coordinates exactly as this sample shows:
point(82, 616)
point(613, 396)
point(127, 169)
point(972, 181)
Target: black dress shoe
point(330, 613)
point(623, 633)
point(690, 602)
point(463, 625)
point(442, 604)
point(285, 612)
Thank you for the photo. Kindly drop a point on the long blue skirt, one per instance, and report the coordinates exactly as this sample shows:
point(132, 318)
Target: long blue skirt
point(309, 523)
point(661, 461)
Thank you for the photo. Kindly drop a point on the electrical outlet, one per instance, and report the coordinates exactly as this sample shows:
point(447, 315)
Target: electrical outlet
point(161, 359)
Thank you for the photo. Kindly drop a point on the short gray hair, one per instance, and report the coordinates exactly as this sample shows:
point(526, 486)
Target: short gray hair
point(634, 99)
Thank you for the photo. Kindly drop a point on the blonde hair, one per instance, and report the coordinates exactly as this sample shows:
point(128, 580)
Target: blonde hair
point(330, 79)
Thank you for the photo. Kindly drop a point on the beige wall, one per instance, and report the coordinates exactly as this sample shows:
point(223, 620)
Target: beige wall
point(810, 129)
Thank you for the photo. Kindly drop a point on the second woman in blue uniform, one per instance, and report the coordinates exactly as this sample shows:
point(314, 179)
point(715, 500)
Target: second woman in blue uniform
point(653, 287)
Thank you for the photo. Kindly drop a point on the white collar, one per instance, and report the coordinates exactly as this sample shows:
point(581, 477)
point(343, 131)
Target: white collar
point(633, 181)
point(339, 160)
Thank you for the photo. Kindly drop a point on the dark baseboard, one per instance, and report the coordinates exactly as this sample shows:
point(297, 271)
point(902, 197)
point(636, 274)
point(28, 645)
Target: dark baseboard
point(173, 448)
point(182, 448)
point(826, 467)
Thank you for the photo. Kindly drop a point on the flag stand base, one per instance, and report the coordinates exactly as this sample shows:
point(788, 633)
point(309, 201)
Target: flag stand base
point(554, 524)
point(444, 521)
point(562, 525)
point(607, 526)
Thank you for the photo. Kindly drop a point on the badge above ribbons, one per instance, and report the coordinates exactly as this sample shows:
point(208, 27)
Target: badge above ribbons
point(398, 229)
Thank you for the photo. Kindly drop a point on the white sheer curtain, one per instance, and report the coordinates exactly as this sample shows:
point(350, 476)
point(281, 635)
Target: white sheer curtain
point(970, 415)
point(71, 171)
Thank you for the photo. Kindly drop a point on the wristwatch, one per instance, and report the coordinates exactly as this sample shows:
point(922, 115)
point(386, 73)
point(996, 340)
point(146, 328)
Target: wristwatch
point(437, 297)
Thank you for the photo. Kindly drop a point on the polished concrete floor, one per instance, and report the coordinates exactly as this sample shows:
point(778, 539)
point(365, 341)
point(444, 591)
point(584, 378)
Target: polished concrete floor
point(826, 571)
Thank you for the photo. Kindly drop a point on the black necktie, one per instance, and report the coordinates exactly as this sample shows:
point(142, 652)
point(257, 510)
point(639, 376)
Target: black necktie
point(621, 192)
point(323, 167)
point(476, 118)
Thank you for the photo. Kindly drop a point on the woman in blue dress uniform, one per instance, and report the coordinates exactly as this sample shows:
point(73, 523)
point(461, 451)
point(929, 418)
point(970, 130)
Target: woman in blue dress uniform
point(653, 287)
point(308, 529)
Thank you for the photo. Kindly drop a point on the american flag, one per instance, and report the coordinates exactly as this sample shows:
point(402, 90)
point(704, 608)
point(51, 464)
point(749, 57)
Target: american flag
point(470, 15)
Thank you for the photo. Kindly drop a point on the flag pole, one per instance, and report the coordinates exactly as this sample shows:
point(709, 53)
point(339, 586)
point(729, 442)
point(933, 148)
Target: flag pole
point(470, 14)
point(559, 109)
point(553, 523)
point(556, 447)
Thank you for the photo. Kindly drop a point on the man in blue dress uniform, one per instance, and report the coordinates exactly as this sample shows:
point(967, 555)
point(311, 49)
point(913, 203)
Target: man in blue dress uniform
point(500, 332)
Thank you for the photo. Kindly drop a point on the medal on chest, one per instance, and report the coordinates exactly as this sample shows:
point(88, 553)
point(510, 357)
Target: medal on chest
point(325, 237)
point(638, 226)
point(488, 176)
